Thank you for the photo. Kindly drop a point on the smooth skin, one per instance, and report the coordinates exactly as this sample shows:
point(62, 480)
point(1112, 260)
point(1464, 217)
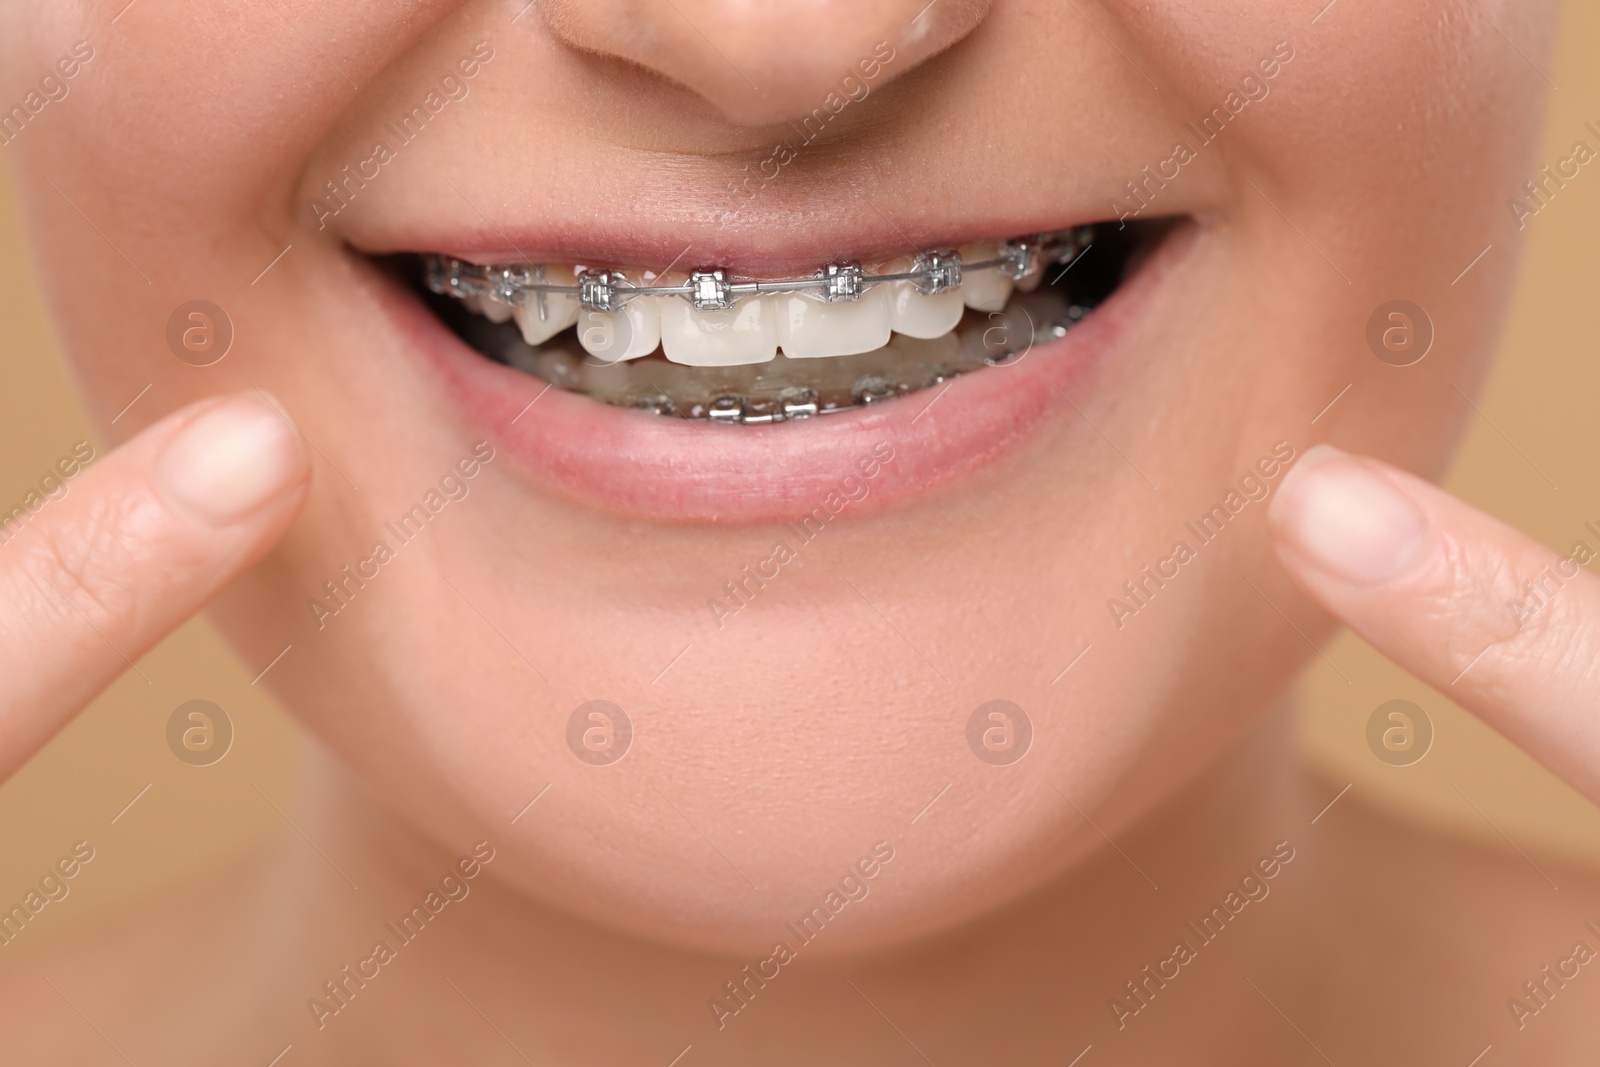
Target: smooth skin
point(1426, 605)
point(1003, 926)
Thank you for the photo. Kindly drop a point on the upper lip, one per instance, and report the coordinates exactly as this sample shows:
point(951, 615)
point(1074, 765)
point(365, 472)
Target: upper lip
point(773, 253)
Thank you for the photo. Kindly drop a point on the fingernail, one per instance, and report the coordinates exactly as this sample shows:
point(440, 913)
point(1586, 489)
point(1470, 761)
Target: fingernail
point(1347, 518)
point(231, 460)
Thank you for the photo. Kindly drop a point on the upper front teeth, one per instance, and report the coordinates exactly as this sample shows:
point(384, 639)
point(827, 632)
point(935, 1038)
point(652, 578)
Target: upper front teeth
point(984, 290)
point(930, 309)
point(542, 314)
point(808, 327)
point(613, 336)
point(746, 333)
point(708, 318)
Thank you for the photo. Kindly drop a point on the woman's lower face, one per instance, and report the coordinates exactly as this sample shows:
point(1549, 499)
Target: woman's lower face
point(689, 644)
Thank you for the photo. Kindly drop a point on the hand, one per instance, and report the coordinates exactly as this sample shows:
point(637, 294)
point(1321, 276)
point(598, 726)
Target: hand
point(140, 541)
point(1484, 614)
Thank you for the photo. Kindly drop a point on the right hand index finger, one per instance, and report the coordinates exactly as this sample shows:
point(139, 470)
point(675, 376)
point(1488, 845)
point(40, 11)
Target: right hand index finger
point(1479, 610)
point(140, 542)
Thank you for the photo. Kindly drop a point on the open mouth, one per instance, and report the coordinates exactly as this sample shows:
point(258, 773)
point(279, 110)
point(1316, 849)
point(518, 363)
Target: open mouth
point(706, 344)
point(599, 382)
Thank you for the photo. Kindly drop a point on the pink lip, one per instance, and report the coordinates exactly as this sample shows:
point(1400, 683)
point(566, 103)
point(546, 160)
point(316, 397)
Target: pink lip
point(642, 465)
point(778, 251)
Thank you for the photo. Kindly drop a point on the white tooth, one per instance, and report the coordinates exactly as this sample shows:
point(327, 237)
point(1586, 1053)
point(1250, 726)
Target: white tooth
point(807, 327)
point(745, 333)
point(560, 311)
point(984, 290)
point(613, 336)
point(915, 315)
point(938, 350)
point(495, 311)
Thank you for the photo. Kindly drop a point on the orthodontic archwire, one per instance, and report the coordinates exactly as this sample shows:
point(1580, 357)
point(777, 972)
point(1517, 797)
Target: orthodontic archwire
point(716, 289)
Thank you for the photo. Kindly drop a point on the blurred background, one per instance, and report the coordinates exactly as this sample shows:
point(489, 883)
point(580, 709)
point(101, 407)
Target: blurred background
point(1532, 457)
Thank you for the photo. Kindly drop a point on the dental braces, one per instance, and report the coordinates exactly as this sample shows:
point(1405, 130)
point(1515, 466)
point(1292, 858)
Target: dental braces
point(715, 289)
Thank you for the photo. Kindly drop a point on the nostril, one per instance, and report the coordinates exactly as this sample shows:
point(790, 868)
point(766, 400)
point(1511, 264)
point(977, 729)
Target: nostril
point(760, 63)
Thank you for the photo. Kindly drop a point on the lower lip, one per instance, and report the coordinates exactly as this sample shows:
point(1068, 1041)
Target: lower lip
point(645, 466)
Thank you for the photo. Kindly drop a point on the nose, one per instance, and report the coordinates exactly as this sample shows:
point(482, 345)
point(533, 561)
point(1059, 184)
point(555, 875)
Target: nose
point(761, 62)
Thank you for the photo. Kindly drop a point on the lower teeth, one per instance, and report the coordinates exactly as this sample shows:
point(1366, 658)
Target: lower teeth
point(784, 389)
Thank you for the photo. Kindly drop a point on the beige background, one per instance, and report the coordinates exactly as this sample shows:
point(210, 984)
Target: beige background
point(1537, 416)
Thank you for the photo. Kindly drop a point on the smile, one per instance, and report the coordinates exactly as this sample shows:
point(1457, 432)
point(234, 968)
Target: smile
point(707, 344)
point(949, 364)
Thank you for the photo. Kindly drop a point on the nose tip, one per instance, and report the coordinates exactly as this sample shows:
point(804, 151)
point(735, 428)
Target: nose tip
point(763, 62)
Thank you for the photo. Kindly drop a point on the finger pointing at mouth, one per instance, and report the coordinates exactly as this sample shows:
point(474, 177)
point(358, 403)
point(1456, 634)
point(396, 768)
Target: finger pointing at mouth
point(1480, 611)
point(146, 537)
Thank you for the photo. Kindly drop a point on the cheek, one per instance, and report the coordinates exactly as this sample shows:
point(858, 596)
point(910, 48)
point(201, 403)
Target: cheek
point(1340, 120)
point(147, 116)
